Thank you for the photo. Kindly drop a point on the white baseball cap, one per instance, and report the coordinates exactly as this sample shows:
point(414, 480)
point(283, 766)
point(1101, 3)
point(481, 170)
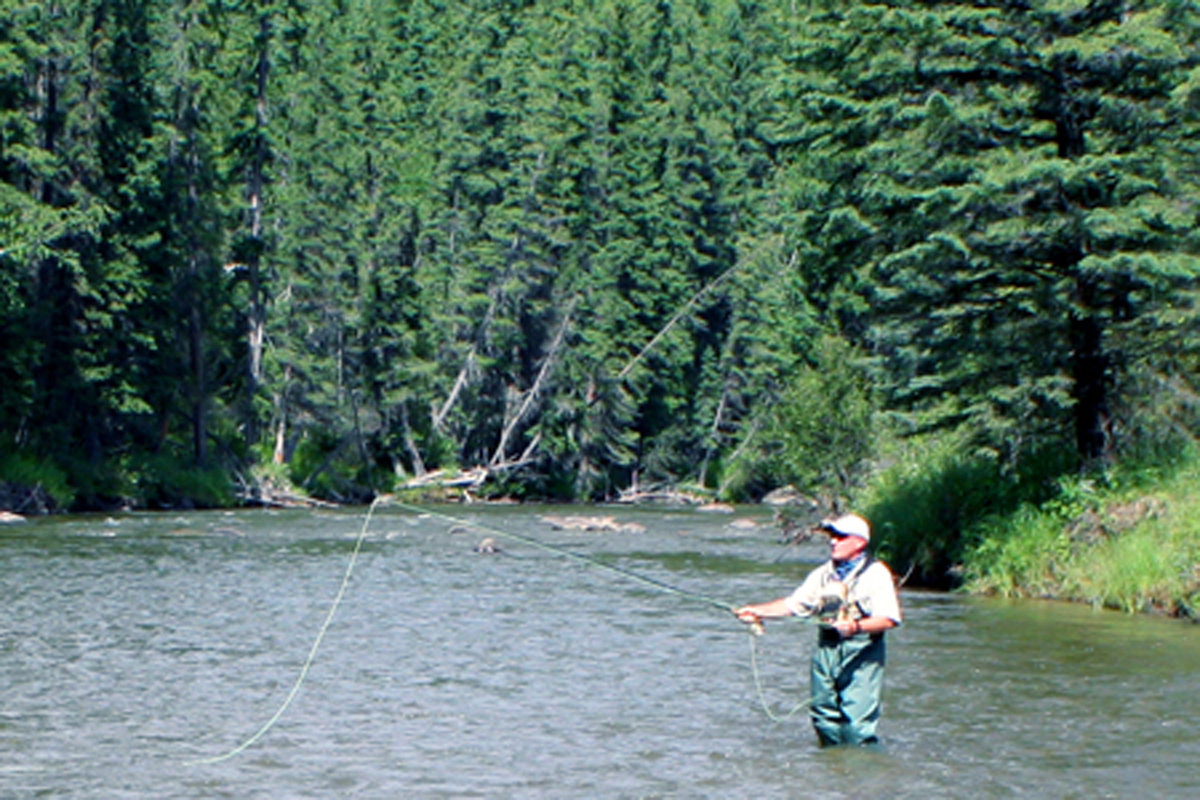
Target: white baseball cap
point(848, 525)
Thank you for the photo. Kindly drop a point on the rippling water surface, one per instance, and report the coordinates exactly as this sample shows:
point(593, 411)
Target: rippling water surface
point(133, 646)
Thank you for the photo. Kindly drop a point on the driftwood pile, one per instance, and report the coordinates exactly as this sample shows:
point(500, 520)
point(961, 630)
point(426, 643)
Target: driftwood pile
point(593, 524)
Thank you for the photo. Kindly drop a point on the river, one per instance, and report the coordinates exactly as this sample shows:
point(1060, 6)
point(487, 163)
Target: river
point(139, 652)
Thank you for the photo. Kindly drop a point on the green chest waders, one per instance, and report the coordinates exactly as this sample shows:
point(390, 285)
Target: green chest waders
point(846, 684)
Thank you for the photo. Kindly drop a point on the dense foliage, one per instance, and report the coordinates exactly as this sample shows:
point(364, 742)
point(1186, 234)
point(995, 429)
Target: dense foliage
point(588, 244)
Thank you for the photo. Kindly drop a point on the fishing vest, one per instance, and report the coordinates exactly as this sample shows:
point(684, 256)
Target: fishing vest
point(838, 600)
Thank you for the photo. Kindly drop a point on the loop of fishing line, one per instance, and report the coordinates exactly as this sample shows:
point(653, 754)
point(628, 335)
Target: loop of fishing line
point(312, 653)
point(758, 687)
point(527, 540)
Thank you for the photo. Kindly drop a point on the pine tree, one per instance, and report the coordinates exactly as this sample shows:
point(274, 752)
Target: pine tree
point(1010, 179)
point(250, 49)
point(78, 115)
point(27, 225)
point(191, 312)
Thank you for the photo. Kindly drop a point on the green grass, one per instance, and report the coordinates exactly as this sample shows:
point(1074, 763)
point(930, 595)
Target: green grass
point(1022, 554)
point(1127, 538)
point(1133, 547)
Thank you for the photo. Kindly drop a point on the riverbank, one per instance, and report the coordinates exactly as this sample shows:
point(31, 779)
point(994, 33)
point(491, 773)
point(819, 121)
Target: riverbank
point(1127, 539)
point(1131, 551)
point(1130, 543)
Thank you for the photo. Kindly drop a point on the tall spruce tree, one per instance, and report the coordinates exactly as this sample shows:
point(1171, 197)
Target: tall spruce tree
point(394, 334)
point(27, 225)
point(578, 423)
point(1009, 180)
point(192, 301)
point(660, 234)
point(251, 44)
point(320, 219)
point(78, 109)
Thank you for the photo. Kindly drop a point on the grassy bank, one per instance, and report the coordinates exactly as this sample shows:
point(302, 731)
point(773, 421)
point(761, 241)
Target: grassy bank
point(1126, 539)
point(1134, 549)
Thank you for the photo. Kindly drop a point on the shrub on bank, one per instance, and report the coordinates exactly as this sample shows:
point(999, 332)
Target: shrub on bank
point(931, 504)
point(33, 485)
point(164, 482)
point(1127, 538)
point(1133, 546)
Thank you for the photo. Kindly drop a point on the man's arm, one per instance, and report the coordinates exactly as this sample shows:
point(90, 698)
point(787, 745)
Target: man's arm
point(875, 624)
point(756, 613)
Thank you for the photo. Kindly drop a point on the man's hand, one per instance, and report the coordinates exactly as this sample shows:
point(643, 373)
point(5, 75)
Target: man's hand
point(751, 617)
point(747, 614)
point(847, 627)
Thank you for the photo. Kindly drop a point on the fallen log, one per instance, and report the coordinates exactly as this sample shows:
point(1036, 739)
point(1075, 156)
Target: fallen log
point(633, 496)
point(466, 479)
point(271, 496)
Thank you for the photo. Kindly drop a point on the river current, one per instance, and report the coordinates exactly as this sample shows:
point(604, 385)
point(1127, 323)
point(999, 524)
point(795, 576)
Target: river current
point(137, 651)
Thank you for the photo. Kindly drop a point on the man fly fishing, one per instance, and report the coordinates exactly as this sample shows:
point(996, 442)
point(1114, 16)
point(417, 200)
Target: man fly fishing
point(853, 596)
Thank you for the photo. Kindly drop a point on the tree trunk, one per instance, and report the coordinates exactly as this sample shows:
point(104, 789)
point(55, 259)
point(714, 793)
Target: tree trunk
point(1089, 372)
point(256, 317)
point(196, 348)
point(1089, 361)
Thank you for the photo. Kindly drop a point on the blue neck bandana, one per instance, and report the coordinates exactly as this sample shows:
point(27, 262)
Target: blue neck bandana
point(844, 568)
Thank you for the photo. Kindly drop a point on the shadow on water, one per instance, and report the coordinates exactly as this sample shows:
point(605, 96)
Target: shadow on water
point(132, 645)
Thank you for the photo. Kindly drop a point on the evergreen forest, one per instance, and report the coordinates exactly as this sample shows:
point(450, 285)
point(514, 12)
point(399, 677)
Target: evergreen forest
point(571, 248)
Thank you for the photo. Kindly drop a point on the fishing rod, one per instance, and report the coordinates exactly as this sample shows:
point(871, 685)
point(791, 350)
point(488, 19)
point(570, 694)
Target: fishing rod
point(755, 628)
point(566, 553)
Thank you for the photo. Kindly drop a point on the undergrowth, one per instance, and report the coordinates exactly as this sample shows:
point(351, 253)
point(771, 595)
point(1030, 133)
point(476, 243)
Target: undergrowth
point(1127, 538)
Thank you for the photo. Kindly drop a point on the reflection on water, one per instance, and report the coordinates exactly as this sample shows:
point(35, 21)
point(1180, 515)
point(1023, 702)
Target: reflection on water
point(132, 645)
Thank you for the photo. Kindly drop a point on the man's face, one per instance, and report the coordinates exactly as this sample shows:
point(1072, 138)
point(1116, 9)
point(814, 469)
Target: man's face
point(846, 548)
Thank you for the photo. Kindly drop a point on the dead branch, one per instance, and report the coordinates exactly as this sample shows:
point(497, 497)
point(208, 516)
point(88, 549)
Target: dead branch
point(463, 375)
point(534, 390)
point(471, 478)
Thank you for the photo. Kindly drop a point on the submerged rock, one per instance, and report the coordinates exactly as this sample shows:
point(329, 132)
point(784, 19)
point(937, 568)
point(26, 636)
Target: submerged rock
point(487, 546)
